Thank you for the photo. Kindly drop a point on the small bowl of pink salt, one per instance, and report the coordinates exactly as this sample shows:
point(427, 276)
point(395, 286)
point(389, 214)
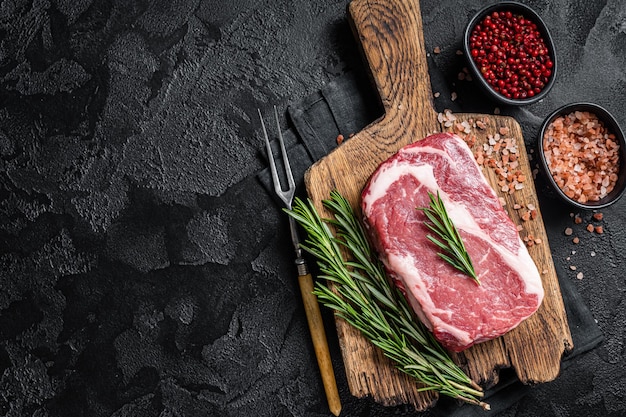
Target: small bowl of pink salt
point(583, 153)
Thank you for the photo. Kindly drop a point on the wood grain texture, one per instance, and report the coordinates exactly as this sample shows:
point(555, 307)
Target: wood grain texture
point(390, 33)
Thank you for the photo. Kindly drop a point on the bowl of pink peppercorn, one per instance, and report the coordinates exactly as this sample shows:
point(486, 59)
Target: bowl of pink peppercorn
point(510, 52)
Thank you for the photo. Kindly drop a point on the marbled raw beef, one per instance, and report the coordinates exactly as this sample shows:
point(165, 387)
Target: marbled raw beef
point(459, 312)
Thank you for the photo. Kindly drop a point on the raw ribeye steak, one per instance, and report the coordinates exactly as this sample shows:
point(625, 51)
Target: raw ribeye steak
point(453, 306)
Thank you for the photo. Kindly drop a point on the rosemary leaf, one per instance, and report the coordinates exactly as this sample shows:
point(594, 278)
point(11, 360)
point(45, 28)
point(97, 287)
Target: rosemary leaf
point(365, 298)
point(449, 241)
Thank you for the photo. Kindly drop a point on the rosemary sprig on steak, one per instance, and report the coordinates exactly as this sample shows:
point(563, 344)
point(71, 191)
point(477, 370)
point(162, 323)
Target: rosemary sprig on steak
point(364, 297)
point(449, 239)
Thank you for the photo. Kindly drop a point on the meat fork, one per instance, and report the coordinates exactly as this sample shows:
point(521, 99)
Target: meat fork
point(311, 306)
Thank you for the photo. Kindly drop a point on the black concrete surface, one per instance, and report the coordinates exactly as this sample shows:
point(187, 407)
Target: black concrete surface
point(143, 272)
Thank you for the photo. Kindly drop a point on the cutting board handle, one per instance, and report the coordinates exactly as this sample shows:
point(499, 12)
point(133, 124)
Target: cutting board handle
point(391, 35)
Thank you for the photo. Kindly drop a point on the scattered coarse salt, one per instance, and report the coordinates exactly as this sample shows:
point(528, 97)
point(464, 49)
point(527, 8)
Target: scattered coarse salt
point(580, 275)
point(572, 267)
point(506, 167)
point(446, 118)
point(470, 140)
point(593, 253)
point(568, 231)
point(576, 240)
point(590, 228)
point(467, 76)
point(531, 241)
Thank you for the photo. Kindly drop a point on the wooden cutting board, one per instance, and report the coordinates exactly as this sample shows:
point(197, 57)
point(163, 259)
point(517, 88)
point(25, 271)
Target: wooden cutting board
point(391, 35)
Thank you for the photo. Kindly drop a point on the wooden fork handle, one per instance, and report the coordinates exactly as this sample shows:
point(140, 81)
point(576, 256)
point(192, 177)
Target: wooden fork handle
point(320, 343)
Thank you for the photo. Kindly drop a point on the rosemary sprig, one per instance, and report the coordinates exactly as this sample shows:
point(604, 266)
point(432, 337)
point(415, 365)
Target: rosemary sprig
point(365, 298)
point(449, 239)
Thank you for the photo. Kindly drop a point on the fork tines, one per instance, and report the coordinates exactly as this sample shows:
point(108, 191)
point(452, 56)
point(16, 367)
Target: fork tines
point(285, 195)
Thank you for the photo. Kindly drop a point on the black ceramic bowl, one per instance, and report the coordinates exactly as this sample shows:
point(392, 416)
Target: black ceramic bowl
point(528, 13)
point(613, 127)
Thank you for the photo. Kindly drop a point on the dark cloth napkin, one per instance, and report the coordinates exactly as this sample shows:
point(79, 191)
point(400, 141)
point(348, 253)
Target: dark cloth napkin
point(345, 106)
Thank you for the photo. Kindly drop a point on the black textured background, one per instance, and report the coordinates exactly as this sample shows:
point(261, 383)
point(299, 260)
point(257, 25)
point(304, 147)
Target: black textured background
point(143, 272)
